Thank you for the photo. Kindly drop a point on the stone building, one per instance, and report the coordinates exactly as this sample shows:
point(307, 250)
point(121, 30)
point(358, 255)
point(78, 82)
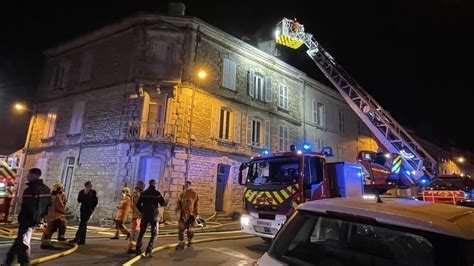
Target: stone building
point(125, 103)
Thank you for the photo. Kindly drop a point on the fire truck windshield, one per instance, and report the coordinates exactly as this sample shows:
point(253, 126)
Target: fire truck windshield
point(274, 170)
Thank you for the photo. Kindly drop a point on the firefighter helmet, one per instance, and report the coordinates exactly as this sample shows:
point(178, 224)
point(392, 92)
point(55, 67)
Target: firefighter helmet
point(58, 186)
point(126, 190)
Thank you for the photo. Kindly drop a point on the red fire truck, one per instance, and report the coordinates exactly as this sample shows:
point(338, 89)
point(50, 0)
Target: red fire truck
point(276, 183)
point(7, 182)
point(448, 188)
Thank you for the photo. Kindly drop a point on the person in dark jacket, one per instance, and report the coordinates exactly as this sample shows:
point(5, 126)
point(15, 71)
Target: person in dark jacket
point(147, 205)
point(88, 200)
point(34, 207)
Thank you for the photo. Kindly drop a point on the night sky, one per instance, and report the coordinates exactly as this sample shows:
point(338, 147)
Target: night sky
point(414, 57)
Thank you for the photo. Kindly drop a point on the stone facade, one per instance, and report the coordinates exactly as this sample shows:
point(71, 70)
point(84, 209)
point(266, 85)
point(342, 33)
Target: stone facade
point(123, 104)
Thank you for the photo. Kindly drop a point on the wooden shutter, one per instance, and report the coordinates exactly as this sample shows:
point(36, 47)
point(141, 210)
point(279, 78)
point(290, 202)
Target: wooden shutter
point(267, 134)
point(237, 126)
point(86, 68)
point(77, 118)
point(225, 73)
point(251, 83)
point(249, 129)
point(268, 89)
point(232, 75)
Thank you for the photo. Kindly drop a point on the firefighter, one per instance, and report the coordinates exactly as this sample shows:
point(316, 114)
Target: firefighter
point(56, 218)
point(34, 207)
point(188, 209)
point(122, 214)
point(147, 205)
point(136, 217)
point(88, 199)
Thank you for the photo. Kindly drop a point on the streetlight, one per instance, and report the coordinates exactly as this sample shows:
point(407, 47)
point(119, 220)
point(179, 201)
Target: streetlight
point(21, 107)
point(202, 74)
point(461, 159)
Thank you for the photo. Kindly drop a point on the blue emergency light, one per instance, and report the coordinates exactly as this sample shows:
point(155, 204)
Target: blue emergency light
point(306, 147)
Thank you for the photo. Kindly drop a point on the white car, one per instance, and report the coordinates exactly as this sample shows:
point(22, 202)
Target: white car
point(350, 231)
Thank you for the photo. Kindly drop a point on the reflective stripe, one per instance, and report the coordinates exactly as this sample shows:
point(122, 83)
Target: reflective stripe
point(277, 196)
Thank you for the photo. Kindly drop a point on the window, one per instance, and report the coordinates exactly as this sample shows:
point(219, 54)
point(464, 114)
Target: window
point(77, 118)
point(224, 124)
point(341, 122)
point(255, 131)
point(284, 139)
point(312, 239)
point(229, 74)
point(50, 125)
point(283, 96)
point(162, 51)
point(86, 68)
point(67, 175)
point(321, 121)
point(259, 90)
point(59, 76)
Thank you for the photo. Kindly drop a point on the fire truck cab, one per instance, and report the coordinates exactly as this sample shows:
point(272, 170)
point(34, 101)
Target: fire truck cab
point(276, 183)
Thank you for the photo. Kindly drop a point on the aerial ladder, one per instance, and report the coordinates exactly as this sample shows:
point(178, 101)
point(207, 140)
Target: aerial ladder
point(416, 162)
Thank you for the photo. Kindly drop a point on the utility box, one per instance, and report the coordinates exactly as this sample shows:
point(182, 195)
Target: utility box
point(347, 179)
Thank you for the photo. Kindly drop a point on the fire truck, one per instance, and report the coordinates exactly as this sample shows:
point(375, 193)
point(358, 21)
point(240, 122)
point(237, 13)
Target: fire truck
point(275, 184)
point(448, 188)
point(7, 182)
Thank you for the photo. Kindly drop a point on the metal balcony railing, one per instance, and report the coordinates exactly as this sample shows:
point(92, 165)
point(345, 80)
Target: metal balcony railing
point(151, 131)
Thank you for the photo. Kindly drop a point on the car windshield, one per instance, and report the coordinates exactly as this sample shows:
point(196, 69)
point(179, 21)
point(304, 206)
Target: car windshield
point(310, 239)
point(274, 170)
point(446, 184)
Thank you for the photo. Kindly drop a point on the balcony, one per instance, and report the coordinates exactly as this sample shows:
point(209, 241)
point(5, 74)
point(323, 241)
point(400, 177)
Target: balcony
point(151, 131)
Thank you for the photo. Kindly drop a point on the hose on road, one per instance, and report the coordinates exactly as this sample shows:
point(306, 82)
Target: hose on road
point(137, 258)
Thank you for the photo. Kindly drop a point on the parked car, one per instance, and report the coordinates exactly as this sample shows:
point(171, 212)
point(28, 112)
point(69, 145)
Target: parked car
point(348, 231)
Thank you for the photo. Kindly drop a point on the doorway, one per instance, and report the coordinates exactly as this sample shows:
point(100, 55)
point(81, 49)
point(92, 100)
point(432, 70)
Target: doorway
point(221, 184)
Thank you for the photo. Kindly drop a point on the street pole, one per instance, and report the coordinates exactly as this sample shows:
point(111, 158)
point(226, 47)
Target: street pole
point(25, 150)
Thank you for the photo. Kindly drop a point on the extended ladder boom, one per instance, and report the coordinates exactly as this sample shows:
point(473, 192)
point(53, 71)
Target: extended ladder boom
point(416, 161)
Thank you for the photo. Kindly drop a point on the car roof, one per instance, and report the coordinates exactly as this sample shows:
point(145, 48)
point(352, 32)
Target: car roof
point(456, 221)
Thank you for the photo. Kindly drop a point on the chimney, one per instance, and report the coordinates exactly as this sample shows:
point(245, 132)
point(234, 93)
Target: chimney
point(176, 9)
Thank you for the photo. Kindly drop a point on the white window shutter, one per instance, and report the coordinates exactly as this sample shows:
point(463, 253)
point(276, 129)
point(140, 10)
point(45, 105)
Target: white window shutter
point(267, 134)
point(232, 75)
point(237, 126)
point(86, 68)
point(251, 83)
point(215, 119)
point(268, 89)
point(249, 130)
point(77, 118)
point(225, 73)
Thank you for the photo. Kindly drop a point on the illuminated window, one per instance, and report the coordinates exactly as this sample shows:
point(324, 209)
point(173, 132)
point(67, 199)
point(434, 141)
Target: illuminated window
point(321, 115)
